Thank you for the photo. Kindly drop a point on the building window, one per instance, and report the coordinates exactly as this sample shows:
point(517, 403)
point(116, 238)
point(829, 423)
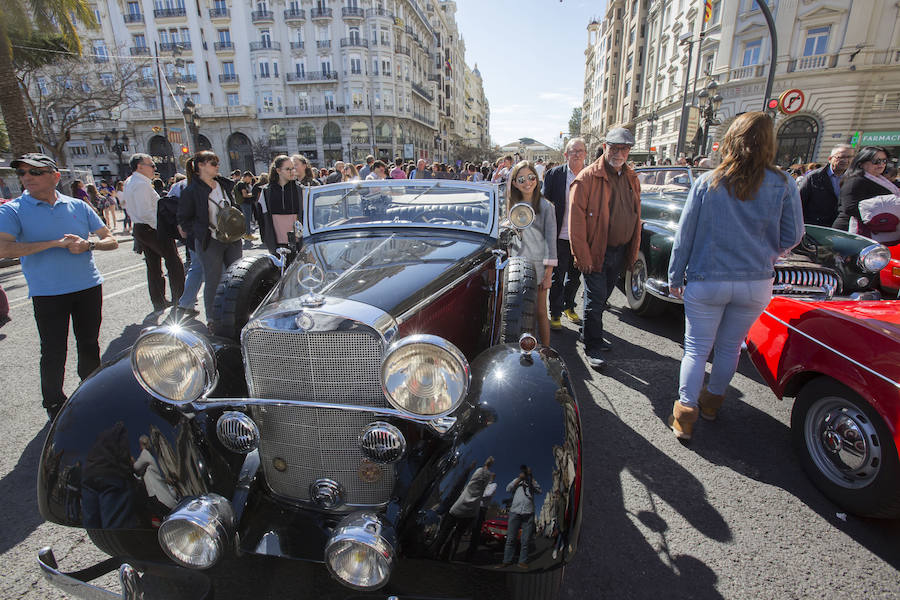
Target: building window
point(355, 65)
point(716, 13)
point(107, 79)
point(228, 68)
point(233, 99)
point(303, 104)
point(816, 41)
point(751, 53)
point(264, 70)
point(796, 140)
point(629, 62)
point(224, 35)
point(631, 35)
point(99, 149)
point(78, 150)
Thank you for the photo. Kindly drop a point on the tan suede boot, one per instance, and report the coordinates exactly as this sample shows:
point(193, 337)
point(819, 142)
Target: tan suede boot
point(710, 404)
point(682, 420)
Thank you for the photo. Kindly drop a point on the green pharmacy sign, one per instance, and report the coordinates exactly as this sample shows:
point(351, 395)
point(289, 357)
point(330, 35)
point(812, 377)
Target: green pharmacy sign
point(879, 138)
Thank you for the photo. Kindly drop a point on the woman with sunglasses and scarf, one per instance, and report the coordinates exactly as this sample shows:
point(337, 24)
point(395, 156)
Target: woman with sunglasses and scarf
point(538, 242)
point(281, 203)
point(863, 180)
point(205, 195)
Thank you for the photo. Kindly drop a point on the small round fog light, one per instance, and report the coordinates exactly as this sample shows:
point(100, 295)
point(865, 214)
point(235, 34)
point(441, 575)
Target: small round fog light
point(196, 533)
point(862, 281)
point(382, 442)
point(237, 432)
point(360, 554)
point(527, 342)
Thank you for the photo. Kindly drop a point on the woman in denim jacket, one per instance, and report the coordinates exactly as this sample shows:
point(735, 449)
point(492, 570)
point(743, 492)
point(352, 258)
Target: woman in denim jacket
point(737, 221)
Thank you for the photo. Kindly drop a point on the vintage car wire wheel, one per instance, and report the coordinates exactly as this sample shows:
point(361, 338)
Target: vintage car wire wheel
point(846, 449)
point(639, 299)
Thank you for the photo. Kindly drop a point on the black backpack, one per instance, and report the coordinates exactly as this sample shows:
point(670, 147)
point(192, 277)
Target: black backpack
point(166, 220)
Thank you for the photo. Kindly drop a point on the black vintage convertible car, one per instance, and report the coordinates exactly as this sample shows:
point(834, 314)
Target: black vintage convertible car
point(359, 394)
point(827, 263)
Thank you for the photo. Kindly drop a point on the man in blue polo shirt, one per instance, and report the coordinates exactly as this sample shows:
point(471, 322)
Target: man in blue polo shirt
point(50, 232)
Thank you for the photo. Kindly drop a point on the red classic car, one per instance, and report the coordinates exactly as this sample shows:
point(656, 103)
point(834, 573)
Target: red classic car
point(841, 361)
point(890, 275)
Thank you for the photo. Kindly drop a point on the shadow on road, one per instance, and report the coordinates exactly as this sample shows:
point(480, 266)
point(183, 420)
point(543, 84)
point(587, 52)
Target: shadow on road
point(17, 489)
point(624, 559)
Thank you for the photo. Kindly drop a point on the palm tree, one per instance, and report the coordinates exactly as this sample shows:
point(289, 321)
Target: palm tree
point(17, 17)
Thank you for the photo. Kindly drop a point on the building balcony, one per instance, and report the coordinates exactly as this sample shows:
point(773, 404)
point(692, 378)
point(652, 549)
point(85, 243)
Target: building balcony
point(436, 78)
point(323, 44)
point(401, 50)
point(312, 77)
point(380, 12)
point(269, 75)
point(216, 14)
point(353, 12)
point(424, 119)
point(354, 42)
point(294, 15)
point(262, 16)
point(312, 111)
point(320, 13)
point(139, 50)
point(169, 47)
point(206, 111)
point(169, 13)
point(228, 79)
point(748, 72)
point(189, 79)
point(813, 63)
point(262, 45)
point(297, 45)
point(224, 47)
point(359, 139)
point(133, 18)
point(146, 82)
point(422, 92)
point(100, 58)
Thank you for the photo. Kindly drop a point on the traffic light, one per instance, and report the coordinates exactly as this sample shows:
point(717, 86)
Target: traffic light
point(185, 150)
point(772, 104)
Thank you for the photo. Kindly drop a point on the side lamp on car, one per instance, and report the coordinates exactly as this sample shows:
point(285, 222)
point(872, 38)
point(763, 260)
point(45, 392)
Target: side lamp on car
point(360, 553)
point(874, 258)
point(521, 216)
point(197, 533)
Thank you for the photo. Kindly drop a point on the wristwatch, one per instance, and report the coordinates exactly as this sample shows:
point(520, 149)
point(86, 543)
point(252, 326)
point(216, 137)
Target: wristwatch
point(92, 245)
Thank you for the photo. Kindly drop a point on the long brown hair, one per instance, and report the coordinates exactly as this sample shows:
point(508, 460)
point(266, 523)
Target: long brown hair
point(514, 196)
point(748, 150)
point(191, 167)
point(276, 164)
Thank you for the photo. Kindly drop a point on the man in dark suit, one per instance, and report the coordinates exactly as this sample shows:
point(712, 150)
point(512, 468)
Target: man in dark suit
point(820, 189)
point(566, 278)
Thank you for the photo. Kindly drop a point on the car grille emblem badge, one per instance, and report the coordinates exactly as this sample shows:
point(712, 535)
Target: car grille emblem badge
point(279, 464)
point(304, 321)
point(369, 472)
point(311, 277)
point(327, 493)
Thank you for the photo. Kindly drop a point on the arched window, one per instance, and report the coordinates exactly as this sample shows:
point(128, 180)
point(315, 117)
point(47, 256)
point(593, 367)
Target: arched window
point(797, 141)
point(306, 135)
point(383, 133)
point(277, 135)
point(240, 153)
point(203, 143)
point(331, 134)
point(359, 133)
point(161, 151)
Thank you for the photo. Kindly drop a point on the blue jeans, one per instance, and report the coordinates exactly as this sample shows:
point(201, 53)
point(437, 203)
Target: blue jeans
point(526, 522)
point(216, 258)
point(597, 288)
point(717, 314)
point(192, 281)
point(247, 209)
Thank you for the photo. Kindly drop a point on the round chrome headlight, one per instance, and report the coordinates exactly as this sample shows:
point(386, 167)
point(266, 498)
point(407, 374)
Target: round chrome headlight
point(874, 258)
point(196, 533)
point(174, 364)
point(521, 215)
point(425, 375)
point(359, 554)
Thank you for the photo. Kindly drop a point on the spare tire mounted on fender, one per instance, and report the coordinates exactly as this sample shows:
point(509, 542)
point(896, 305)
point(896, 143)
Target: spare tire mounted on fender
point(244, 286)
point(518, 298)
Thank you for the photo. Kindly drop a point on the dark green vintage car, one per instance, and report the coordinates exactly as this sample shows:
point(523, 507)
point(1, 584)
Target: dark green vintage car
point(827, 263)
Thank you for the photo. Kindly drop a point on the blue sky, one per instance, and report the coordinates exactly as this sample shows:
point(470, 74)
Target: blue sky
point(531, 57)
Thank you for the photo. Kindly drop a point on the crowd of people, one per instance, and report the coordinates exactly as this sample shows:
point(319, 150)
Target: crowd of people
point(587, 229)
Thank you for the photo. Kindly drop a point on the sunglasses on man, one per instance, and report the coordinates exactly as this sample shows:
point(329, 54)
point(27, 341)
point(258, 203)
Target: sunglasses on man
point(523, 178)
point(32, 172)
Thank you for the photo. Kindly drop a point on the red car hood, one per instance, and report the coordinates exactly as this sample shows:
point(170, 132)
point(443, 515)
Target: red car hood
point(882, 316)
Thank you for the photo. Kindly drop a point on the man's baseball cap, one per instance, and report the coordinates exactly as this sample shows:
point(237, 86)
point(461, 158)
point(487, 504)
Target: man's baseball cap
point(35, 159)
point(619, 135)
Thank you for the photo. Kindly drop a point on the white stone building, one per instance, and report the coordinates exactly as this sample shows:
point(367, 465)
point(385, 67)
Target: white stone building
point(331, 79)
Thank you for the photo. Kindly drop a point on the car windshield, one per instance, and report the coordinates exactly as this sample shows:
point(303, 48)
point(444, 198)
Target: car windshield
point(402, 203)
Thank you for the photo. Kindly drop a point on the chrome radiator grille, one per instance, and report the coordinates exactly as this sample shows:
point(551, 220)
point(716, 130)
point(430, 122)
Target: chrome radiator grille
point(314, 443)
point(309, 443)
point(343, 367)
point(804, 281)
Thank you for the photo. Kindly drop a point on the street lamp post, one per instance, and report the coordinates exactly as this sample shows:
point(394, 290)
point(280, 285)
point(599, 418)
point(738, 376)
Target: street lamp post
point(119, 146)
point(710, 101)
point(651, 119)
point(190, 119)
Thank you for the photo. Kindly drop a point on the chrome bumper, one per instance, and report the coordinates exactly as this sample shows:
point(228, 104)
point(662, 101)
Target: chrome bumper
point(660, 289)
point(138, 582)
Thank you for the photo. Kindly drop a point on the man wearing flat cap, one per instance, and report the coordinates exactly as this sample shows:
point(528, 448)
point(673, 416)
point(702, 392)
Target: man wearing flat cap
point(604, 231)
point(50, 232)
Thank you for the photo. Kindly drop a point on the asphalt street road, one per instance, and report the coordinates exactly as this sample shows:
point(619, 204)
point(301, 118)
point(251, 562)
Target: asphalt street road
point(730, 516)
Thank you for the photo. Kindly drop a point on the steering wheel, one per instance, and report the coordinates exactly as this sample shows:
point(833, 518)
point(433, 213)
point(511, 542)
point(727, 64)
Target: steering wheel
point(439, 215)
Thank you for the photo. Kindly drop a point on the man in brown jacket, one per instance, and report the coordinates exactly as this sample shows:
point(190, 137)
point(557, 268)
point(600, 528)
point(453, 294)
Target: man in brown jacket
point(604, 231)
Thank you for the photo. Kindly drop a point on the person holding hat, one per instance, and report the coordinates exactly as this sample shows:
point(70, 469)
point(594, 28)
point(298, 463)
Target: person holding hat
point(49, 232)
point(604, 231)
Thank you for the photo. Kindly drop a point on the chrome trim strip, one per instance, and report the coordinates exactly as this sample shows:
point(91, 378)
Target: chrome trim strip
point(215, 403)
point(404, 317)
point(837, 352)
point(660, 289)
point(68, 584)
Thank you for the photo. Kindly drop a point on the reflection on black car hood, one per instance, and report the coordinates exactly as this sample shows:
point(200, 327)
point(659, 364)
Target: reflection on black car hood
point(392, 271)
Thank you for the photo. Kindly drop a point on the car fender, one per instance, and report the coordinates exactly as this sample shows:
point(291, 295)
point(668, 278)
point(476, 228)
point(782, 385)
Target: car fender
point(521, 411)
point(87, 476)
